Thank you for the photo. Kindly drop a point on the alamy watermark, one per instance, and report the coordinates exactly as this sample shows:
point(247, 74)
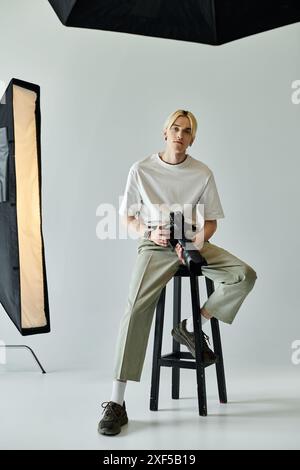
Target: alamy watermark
point(2, 91)
point(295, 97)
point(157, 215)
point(295, 358)
point(2, 352)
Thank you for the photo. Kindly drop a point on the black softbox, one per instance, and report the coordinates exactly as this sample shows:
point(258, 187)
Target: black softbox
point(204, 21)
point(23, 283)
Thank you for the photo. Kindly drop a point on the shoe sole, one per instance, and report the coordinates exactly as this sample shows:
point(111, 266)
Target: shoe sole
point(107, 432)
point(180, 339)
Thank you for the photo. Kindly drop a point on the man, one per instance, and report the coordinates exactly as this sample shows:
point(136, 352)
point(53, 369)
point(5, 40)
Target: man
point(154, 186)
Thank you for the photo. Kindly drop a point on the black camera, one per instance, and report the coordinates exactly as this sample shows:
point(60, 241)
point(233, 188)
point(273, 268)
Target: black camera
point(192, 257)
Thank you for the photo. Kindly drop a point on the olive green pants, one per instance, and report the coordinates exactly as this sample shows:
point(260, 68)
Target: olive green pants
point(154, 267)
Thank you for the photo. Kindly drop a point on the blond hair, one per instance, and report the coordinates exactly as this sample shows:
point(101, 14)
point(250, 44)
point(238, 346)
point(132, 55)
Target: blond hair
point(181, 112)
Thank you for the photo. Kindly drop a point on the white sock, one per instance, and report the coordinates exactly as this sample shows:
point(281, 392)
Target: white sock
point(190, 323)
point(118, 391)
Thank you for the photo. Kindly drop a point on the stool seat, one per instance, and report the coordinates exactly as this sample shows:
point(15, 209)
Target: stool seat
point(182, 271)
point(195, 267)
point(178, 359)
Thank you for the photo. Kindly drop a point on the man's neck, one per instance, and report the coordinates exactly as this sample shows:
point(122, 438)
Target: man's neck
point(172, 158)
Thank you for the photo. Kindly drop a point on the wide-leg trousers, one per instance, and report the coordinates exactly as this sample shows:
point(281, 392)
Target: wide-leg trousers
point(154, 267)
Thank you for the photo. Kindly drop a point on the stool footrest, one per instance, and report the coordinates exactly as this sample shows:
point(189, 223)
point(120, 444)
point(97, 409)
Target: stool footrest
point(177, 359)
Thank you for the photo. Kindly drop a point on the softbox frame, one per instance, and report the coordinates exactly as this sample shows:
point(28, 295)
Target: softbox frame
point(204, 21)
point(23, 282)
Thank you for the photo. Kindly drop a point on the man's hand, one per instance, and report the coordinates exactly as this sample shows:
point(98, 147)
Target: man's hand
point(179, 251)
point(160, 236)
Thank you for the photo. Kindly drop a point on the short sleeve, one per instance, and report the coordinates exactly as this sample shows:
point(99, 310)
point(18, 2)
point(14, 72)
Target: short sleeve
point(132, 201)
point(210, 198)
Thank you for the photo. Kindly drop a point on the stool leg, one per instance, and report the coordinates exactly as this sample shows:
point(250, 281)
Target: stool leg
point(176, 345)
point(217, 348)
point(158, 336)
point(201, 388)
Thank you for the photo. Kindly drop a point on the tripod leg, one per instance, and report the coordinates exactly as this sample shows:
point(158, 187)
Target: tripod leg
point(12, 346)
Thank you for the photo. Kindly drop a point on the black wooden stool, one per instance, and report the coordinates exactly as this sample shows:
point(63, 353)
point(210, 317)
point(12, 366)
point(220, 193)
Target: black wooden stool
point(177, 359)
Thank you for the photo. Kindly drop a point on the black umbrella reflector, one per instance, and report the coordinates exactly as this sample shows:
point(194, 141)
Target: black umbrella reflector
point(23, 284)
point(204, 21)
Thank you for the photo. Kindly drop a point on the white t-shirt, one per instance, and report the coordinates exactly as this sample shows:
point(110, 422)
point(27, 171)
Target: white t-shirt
point(154, 188)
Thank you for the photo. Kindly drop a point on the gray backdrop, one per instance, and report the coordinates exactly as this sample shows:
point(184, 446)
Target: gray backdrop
point(104, 98)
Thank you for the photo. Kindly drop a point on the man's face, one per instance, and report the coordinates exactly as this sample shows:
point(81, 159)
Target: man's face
point(179, 136)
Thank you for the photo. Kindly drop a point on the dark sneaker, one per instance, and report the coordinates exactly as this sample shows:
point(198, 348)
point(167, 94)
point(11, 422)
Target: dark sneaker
point(183, 336)
point(114, 417)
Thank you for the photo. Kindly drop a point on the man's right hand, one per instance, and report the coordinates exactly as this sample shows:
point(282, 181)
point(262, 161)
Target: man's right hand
point(179, 251)
point(160, 236)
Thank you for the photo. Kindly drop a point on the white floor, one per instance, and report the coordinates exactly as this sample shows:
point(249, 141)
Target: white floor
point(60, 410)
